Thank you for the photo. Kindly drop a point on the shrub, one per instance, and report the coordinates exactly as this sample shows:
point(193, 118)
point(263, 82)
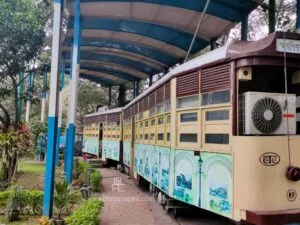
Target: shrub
point(95, 180)
point(61, 197)
point(80, 167)
point(86, 214)
point(31, 200)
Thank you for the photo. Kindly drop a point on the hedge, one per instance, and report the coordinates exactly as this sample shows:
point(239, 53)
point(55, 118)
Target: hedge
point(87, 213)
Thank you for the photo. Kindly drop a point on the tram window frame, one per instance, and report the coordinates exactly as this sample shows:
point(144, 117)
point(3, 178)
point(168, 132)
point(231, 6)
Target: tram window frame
point(168, 119)
point(146, 123)
point(184, 137)
point(168, 137)
point(153, 122)
point(217, 115)
point(152, 111)
point(216, 98)
point(146, 137)
point(184, 117)
point(160, 108)
point(160, 136)
point(160, 121)
point(224, 138)
point(152, 137)
point(188, 102)
point(167, 106)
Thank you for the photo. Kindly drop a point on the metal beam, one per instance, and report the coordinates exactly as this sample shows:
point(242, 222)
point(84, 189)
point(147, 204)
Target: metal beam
point(109, 95)
point(150, 80)
point(53, 110)
point(73, 93)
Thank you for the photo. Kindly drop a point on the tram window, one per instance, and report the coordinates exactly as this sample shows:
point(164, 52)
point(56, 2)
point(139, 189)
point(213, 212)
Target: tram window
point(141, 116)
point(152, 137)
point(168, 136)
point(188, 102)
point(146, 123)
point(160, 137)
point(152, 112)
point(141, 137)
point(168, 119)
point(192, 138)
point(146, 136)
point(160, 120)
point(141, 124)
point(216, 98)
point(217, 138)
point(188, 117)
point(153, 122)
point(160, 109)
point(167, 106)
point(217, 115)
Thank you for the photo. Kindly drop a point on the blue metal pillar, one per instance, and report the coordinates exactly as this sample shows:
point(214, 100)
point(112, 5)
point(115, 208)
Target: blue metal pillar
point(244, 28)
point(73, 94)
point(298, 17)
point(53, 110)
point(60, 111)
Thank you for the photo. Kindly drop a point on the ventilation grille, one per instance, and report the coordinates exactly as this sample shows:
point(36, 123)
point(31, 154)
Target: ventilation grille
point(141, 106)
point(115, 117)
point(167, 91)
point(188, 84)
point(152, 100)
point(160, 95)
point(102, 118)
point(215, 79)
point(146, 103)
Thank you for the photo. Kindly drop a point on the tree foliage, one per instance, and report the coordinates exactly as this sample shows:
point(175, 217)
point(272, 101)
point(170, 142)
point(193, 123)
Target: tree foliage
point(22, 24)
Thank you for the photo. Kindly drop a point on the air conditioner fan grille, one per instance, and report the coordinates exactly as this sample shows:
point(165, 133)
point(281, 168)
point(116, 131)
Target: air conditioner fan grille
point(267, 115)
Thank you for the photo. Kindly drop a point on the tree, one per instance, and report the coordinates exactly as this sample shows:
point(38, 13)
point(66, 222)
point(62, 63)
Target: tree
point(22, 24)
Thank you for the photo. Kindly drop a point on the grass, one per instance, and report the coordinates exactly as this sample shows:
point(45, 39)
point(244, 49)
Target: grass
point(24, 220)
point(31, 167)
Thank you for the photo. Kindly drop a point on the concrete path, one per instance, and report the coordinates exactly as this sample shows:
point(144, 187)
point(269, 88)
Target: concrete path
point(126, 204)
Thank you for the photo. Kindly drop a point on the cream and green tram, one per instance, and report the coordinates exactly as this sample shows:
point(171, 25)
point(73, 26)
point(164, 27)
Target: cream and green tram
point(221, 132)
point(102, 134)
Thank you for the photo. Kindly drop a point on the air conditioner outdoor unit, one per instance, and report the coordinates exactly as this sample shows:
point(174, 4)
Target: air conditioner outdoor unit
point(267, 113)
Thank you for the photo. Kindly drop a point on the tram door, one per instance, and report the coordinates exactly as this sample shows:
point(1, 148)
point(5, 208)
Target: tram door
point(100, 140)
point(132, 152)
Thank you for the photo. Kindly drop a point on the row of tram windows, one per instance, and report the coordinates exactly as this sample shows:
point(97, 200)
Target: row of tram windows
point(201, 121)
point(112, 131)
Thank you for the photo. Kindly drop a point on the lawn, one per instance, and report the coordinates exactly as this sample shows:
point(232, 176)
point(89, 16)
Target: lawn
point(24, 220)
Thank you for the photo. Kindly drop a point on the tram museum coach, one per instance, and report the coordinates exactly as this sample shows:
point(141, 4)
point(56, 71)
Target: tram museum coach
point(220, 132)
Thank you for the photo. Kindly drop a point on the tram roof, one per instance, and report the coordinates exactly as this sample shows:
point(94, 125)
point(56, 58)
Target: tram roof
point(124, 40)
point(110, 111)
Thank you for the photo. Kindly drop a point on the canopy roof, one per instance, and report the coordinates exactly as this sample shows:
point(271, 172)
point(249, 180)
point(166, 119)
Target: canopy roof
point(126, 40)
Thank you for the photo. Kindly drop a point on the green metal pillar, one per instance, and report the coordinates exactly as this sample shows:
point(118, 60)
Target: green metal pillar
point(272, 17)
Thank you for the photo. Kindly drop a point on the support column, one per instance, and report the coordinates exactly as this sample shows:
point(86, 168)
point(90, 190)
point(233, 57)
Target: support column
point(213, 44)
point(109, 95)
point(28, 97)
point(53, 110)
point(134, 89)
point(137, 89)
point(44, 95)
point(150, 80)
point(60, 110)
point(73, 94)
point(20, 95)
point(244, 28)
point(272, 17)
point(298, 17)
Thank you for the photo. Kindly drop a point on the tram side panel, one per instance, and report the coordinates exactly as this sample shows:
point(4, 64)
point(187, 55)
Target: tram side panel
point(91, 138)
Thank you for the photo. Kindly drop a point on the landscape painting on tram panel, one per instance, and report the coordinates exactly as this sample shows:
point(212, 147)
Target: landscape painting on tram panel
point(90, 145)
point(111, 149)
point(126, 153)
point(216, 183)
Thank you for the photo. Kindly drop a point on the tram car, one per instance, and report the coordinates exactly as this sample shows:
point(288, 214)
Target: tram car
point(221, 132)
point(102, 135)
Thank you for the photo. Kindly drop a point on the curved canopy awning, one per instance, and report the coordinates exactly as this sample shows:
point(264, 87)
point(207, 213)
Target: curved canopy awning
point(126, 40)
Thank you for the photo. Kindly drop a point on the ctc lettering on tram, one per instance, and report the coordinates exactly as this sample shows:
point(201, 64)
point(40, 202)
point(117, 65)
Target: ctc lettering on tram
point(269, 159)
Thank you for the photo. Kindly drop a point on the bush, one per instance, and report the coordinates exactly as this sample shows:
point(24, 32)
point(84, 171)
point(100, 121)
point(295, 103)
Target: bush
point(30, 200)
point(80, 167)
point(86, 214)
point(95, 180)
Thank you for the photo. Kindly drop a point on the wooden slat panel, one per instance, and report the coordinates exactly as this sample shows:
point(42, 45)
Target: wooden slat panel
point(188, 84)
point(160, 95)
point(141, 106)
point(146, 103)
point(102, 118)
point(215, 78)
point(167, 91)
point(152, 100)
point(115, 117)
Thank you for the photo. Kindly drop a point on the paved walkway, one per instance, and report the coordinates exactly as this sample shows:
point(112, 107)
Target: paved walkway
point(125, 204)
